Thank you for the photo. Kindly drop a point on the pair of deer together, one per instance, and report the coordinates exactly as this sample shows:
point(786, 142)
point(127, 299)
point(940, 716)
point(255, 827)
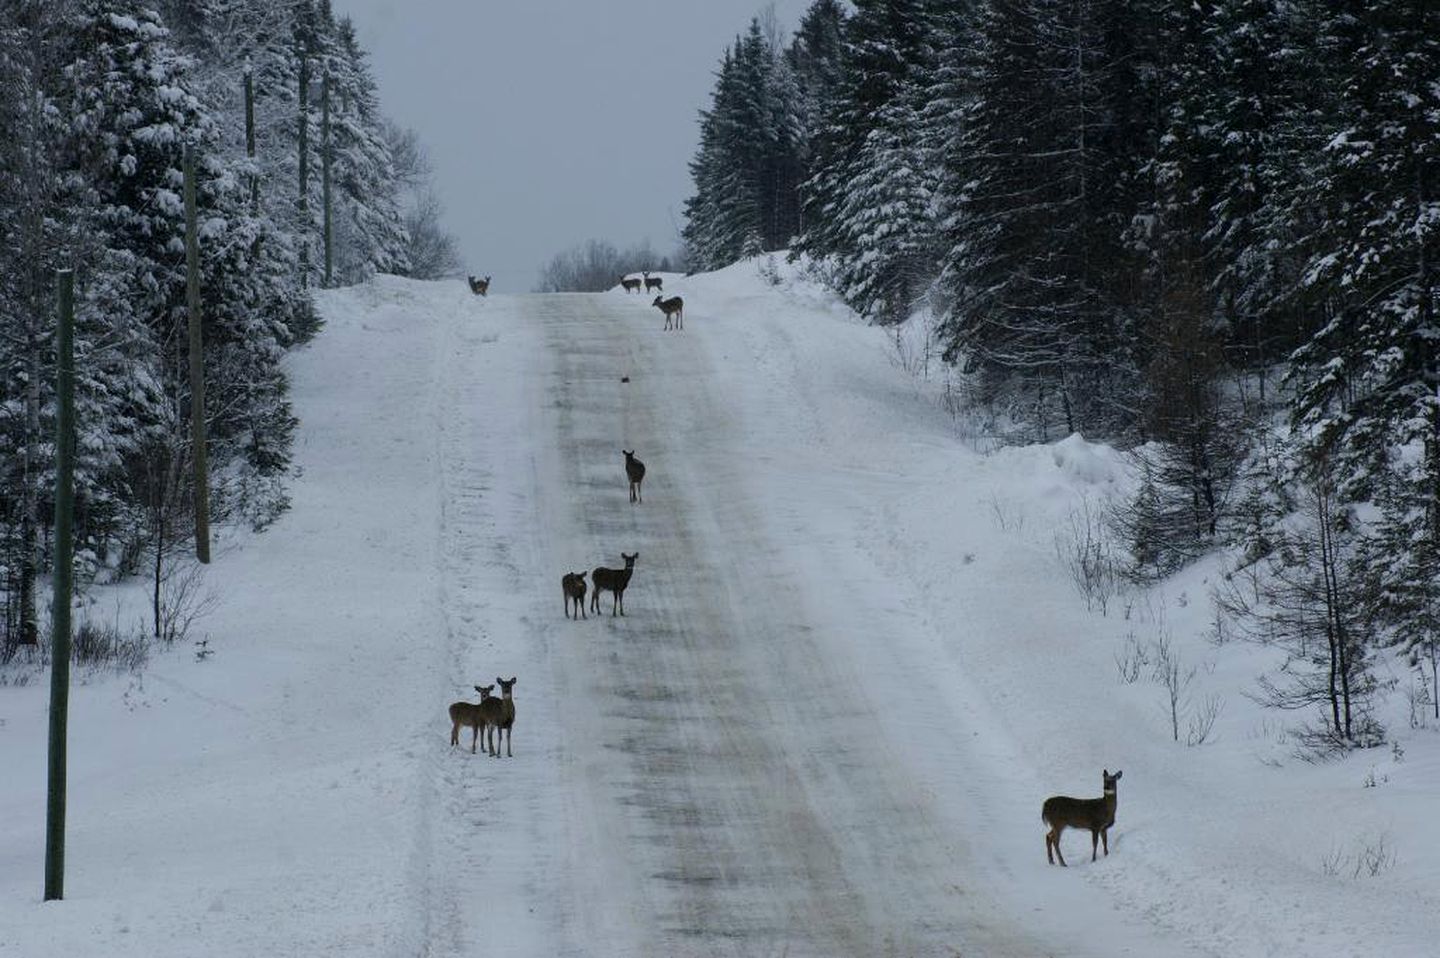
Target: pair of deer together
point(633, 285)
point(490, 713)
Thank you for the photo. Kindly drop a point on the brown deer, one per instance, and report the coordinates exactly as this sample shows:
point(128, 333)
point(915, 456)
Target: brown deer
point(468, 713)
point(635, 471)
point(653, 283)
point(1097, 814)
point(674, 310)
point(499, 715)
point(631, 285)
point(613, 580)
point(573, 585)
point(479, 286)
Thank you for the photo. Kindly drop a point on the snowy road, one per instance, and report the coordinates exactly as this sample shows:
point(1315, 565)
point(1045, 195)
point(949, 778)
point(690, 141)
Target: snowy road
point(717, 772)
point(850, 673)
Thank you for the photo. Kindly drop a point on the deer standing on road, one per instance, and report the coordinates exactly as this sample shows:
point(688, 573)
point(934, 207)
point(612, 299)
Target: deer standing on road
point(468, 713)
point(1097, 814)
point(613, 580)
point(631, 285)
point(573, 585)
point(635, 471)
point(652, 283)
point(499, 715)
point(479, 286)
point(674, 310)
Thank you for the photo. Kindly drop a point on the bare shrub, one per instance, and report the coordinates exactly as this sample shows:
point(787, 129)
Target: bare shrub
point(1131, 660)
point(1171, 675)
point(183, 600)
point(1009, 516)
point(107, 646)
point(1202, 720)
point(1085, 552)
point(1370, 858)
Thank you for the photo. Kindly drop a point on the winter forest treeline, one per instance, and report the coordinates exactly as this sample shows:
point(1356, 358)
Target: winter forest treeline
point(1206, 231)
point(100, 97)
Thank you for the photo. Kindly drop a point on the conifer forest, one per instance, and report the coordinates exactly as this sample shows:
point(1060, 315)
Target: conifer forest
point(101, 99)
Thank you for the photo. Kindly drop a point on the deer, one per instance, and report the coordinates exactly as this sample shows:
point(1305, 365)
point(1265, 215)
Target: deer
point(613, 580)
point(469, 713)
point(673, 308)
point(573, 585)
point(631, 285)
point(1097, 814)
point(635, 471)
point(499, 716)
point(653, 283)
point(480, 287)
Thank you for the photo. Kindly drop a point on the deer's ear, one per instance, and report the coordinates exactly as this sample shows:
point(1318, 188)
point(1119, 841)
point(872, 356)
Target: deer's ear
point(1118, 774)
point(512, 680)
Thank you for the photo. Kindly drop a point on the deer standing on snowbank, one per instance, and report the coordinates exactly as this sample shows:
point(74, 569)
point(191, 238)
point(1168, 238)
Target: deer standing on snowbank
point(479, 286)
point(655, 283)
point(469, 714)
point(499, 715)
point(674, 310)
point(1097, 814)
point(613, 580)
point(630, 285)
point(635, 471)
point(573, 585)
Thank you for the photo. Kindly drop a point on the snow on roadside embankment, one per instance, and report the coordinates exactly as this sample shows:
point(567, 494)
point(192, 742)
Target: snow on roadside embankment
point(1232, 847)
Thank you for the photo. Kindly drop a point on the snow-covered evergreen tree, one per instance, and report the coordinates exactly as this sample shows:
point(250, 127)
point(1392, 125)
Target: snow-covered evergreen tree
point(750, 159)
point(867, 205)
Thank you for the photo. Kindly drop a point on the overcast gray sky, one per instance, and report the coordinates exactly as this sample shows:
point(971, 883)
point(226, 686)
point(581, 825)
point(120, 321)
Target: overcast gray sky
point(550, 122)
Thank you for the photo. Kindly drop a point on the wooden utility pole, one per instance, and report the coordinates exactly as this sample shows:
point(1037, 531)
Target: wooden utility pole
point(250, 140)
point(325, 167)
point(197, 366)
point(304, 172)
point(63, 581)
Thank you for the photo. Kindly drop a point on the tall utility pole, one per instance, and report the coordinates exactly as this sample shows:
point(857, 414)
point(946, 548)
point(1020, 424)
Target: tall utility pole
point(325, 166)
point(304, 171)
point(197, 367)
point(63, 581)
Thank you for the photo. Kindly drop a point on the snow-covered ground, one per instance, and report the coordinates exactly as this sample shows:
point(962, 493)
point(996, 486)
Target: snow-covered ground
point(851, 669)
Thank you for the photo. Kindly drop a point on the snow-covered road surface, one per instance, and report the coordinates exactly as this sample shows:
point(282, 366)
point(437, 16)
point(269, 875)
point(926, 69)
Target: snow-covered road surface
point(849, 674)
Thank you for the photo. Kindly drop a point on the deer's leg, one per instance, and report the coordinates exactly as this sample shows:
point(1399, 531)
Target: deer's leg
point(1095, 844)
point(509, 735)
point(1055, 834)
point(454, 734)
point(1105, 841)
point(474, 738)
